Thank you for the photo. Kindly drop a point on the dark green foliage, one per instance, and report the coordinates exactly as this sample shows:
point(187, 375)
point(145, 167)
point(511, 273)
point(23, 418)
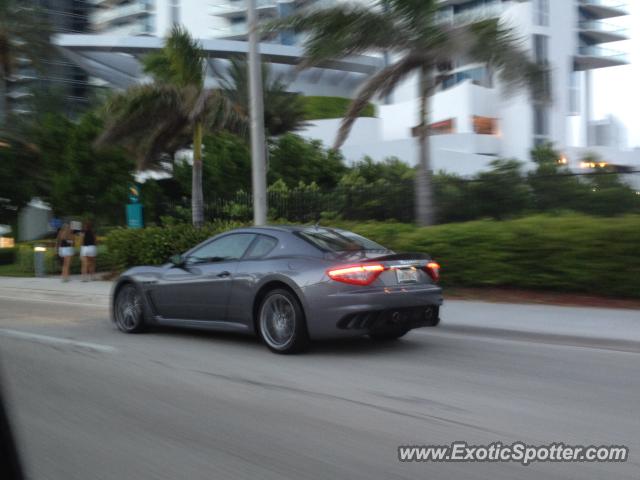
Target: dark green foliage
point(154, 245)
point(293, 159)
point(89, 182)
point(565, 253)
point(318, 108)
point(226, 167)
point(283, 110)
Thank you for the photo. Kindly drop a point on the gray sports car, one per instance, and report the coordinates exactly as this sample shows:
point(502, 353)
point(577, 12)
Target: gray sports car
point(287, 284)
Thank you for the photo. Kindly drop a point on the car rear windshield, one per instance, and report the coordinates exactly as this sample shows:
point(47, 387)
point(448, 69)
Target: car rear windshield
point(331, 240)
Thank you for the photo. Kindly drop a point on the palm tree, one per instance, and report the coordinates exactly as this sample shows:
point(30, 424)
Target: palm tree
point(283, 111)
point(411, 32)
point(158, 118)
point(24, 34)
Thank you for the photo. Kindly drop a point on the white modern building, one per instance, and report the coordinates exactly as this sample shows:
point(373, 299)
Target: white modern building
point(473, 122)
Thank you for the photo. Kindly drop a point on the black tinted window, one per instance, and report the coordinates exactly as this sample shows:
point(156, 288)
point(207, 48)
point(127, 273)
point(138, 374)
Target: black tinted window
point(262, 246)
point(331, 240)
point(229, 247)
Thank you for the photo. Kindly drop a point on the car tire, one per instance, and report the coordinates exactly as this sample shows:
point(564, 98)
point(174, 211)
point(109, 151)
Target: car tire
point(281, 322)
point(387, 334)
point(128, 309)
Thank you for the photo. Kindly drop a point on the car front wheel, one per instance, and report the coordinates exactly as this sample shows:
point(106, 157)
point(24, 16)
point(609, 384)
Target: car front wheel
point(282, 325)
point(128, 310)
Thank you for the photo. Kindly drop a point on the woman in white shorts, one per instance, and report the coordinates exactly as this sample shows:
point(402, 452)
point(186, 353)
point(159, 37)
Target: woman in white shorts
point(88, 252)
point(65, 249)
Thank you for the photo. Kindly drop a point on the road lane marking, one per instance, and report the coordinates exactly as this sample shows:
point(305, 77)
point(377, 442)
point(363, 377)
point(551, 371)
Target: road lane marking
point(47, 340)
point(62, 302)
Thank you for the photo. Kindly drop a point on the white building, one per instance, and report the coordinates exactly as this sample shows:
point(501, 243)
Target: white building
point(474, 121)
point(477, 123)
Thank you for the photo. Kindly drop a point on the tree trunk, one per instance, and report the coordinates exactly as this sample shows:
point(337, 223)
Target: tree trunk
point(197, 204)
point(425, 214)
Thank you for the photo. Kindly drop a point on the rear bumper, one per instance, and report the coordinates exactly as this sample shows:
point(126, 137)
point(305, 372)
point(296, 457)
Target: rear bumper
point(355, 313)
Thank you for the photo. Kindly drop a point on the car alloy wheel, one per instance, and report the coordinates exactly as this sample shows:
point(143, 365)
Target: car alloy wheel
point(128, 310)
point(282, 325)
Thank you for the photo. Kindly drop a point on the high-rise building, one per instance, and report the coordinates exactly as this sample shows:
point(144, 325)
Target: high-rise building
point(124, 17)
point(57, 74)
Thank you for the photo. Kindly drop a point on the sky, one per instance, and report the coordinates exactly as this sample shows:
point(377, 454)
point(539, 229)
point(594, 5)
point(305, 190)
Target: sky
point(616, 90)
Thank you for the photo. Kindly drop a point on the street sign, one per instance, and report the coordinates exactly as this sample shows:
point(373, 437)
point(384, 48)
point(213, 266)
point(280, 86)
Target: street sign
point(134, 215)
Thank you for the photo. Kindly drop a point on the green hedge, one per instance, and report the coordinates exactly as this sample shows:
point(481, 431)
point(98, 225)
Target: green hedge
point(154, 245)
point(566, 253)
point(318, 108)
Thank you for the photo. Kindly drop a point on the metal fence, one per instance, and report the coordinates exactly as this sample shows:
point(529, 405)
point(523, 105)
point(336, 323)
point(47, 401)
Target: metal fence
point(601, 193)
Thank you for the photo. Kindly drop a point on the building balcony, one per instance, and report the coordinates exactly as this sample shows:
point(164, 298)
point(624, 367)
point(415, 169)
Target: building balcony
point(239, 8)
point(590, 58)
point(102, 18)
point(604, 8)
point(600, 32)
point(130, 30)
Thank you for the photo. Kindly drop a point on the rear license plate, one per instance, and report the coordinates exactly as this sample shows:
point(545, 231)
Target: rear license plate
point(407, 275)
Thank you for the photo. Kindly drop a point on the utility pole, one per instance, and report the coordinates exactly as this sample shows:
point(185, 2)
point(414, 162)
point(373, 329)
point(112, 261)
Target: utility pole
point(256, 107)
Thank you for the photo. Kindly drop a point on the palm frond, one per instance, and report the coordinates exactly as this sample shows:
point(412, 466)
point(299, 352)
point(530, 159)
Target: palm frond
point(180, 62)
point(145, 116)
point(217, 112)
point(501, 49)
point(381, 84)
point(343, 30)
point(283, 110)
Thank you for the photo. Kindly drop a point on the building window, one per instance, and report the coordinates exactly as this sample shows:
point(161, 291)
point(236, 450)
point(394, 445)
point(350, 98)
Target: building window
point(540, 124)
point(444, 127)
point(541, 49)
point(485, 125)
point(541, 13)
point(478, 76)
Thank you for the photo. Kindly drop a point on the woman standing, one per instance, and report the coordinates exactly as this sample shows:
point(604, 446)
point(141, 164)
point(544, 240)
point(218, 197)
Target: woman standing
point(65, 249)
point(88, 252)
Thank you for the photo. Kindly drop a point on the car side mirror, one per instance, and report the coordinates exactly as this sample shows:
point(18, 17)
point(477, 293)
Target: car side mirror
point(177, 260)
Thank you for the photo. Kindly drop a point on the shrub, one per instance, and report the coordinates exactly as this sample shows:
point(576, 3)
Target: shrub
point(566, 253)
point(154, 245)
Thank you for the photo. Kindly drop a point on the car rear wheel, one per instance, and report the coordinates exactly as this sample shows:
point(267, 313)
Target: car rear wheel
point(129, 310)
point(282, 326)
point(390, 333)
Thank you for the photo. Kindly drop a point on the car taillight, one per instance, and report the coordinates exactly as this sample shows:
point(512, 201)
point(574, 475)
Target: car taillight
point(433, 269)
point(356, 274)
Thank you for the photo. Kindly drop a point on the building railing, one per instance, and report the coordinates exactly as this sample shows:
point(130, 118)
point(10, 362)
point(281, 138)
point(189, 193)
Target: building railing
point(616, 4)
point(592, 51)
point(604, 27)
point(114, 13)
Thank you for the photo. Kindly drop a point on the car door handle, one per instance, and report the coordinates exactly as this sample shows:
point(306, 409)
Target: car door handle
point(224, 274)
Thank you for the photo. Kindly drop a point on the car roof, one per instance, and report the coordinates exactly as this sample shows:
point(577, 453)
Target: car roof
point(280, 228)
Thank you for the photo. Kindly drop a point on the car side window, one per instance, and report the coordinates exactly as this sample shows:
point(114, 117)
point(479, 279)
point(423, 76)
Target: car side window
point(229, 247)
point(262, 246)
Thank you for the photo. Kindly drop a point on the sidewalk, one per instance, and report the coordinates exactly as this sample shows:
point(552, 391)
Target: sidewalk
point(53, 289)
point(593, 326)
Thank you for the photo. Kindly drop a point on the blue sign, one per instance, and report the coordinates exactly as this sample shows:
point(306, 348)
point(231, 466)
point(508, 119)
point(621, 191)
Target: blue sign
point(134, 215)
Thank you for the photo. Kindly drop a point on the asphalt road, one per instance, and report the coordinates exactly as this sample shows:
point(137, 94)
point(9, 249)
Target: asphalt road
point(91, 403)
